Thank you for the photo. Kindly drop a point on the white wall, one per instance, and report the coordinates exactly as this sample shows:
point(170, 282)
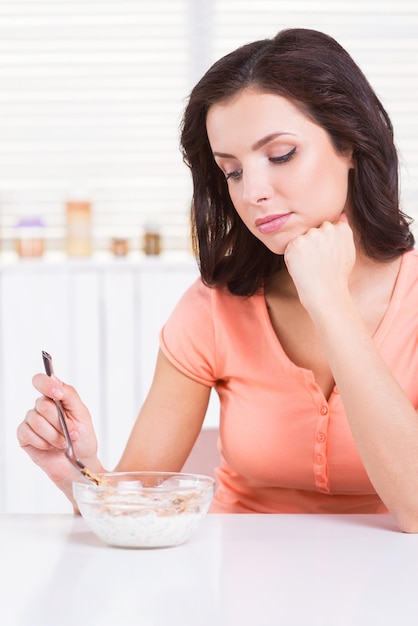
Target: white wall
point(100, 320)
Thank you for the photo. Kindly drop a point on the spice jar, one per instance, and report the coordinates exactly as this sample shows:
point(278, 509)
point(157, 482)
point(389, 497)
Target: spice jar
point(120, 246)
point(29, 237)
point(152, 240)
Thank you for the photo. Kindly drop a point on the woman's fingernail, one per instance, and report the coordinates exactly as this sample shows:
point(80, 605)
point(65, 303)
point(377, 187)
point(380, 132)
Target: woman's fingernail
point(57, 393)
point(57, 380)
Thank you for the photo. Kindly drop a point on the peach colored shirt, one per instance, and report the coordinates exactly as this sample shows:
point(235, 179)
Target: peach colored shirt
point(284, 447)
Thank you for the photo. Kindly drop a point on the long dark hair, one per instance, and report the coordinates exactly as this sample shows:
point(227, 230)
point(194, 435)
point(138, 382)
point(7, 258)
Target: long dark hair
point(317, 74)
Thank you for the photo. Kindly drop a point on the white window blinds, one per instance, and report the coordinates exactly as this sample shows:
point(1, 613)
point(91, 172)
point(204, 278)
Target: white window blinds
point(91, 96)
point(90, 100)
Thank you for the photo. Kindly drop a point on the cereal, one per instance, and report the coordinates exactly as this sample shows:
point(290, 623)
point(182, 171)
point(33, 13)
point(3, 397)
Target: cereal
point(98, 480)
point(161, 510)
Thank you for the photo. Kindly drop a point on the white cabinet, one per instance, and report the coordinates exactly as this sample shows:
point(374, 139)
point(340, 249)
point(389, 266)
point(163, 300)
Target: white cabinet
point(100, 320)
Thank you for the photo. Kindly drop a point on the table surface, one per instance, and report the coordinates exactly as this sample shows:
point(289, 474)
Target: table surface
point(263, 570)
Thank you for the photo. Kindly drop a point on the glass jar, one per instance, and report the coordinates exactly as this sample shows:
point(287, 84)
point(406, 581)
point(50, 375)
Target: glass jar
point(120, 246)
point(79, 228)
point(152, 240)
point(30, 237)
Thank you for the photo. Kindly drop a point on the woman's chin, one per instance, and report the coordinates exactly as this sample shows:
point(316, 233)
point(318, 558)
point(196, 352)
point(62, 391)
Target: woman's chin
point(276, 247)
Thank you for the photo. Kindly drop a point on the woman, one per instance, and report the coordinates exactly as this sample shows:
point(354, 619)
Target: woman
point(304, 318)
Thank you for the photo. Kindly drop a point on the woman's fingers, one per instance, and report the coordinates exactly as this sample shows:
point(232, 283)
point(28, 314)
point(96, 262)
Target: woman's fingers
point(52, 387)
point(38, 431)
point(320, 262)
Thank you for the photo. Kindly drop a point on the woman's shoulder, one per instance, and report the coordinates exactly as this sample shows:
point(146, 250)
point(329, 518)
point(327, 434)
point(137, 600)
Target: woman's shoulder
point(409, 267)
point(405, 293)
point(200, 291)
point(215, 306)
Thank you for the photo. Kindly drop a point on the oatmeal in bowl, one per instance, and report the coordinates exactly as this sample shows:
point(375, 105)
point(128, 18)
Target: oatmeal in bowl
point(144, 509)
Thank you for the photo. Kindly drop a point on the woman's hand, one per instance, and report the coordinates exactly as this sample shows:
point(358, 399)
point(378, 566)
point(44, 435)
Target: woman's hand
point(320, 263)
point(40, 434)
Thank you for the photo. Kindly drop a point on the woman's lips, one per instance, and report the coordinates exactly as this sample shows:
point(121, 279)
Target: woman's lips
point(271, 223)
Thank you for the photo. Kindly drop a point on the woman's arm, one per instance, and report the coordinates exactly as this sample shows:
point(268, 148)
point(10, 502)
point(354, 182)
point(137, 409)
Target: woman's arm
point(164, 433)
point(382, 419)
point(168, 422)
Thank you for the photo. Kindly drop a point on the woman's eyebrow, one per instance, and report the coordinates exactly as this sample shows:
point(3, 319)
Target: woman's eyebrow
point(265, 140)
point(256, 146)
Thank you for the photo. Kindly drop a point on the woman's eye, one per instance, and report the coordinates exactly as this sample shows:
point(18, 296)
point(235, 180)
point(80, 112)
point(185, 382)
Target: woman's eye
point(237, 174)
point(284, 158)
point(233, 175)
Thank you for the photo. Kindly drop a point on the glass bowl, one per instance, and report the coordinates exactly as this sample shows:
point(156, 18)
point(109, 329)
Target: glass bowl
point(144, 509)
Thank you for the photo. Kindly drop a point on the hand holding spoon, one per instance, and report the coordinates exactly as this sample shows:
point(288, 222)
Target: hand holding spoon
point(69, 453)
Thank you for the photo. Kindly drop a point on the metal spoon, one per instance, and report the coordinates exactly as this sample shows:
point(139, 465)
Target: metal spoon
point(69, 453)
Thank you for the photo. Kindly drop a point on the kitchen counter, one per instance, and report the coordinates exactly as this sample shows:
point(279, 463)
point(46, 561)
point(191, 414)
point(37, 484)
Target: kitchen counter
point(261, 570)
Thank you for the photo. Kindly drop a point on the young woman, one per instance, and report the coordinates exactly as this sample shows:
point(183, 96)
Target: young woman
point(304, 319)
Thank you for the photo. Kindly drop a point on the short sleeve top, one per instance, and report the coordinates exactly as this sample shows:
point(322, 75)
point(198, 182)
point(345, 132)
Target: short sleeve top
point(284, 446)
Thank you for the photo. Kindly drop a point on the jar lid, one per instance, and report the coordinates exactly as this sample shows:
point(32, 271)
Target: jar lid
point(30, 222)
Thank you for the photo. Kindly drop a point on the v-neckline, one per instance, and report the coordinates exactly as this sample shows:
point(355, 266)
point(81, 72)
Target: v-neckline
point(378, 335)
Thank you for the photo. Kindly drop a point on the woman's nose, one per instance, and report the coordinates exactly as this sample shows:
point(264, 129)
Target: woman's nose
point(256, 188)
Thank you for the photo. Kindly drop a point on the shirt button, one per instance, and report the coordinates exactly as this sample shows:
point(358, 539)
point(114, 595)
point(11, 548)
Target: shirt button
point(321, 437)
point(319, 459)
point(324, 410)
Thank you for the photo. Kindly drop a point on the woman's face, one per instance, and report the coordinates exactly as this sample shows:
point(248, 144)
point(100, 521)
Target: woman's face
point(283, 173)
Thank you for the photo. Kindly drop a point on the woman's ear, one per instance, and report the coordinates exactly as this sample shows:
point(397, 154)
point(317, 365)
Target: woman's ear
point(348, 154)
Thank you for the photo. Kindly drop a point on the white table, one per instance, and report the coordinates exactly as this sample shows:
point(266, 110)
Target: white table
point(237, 570)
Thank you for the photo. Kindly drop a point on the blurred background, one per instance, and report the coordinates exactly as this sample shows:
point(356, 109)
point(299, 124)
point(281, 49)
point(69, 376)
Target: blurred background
point(92, 93)
point(94, 197)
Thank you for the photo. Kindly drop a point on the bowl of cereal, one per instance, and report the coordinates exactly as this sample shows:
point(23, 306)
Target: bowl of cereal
point(144, 509)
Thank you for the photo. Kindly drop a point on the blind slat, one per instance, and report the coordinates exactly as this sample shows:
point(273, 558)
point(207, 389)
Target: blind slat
point(93, 93)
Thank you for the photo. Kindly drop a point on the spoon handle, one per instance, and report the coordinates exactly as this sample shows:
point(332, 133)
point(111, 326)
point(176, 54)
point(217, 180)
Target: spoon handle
point(49, 369)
